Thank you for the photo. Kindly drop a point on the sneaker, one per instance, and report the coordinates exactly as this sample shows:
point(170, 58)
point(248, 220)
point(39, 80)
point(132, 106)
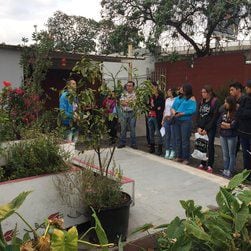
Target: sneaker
point(201, 167)
point(167, 154)
point(224, 173)
point(120, 146)
point(178, 159)
point(172, 155)
point(228, 174)
point(209, 169)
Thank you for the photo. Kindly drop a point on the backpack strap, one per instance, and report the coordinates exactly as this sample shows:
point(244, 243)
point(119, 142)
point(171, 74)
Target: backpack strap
point(213, 101)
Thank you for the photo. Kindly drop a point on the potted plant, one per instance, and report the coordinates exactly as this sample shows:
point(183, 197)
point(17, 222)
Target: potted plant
point(101, 189)
point(51, 236)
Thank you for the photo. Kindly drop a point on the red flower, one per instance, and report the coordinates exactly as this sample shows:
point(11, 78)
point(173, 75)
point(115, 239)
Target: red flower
point(6, 83)
point(9, 235)
point(19, 91)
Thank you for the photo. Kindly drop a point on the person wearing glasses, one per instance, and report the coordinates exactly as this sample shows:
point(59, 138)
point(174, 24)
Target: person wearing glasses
point(128, 116)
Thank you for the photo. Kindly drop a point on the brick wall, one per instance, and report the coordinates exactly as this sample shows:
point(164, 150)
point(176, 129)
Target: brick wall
point(216, 70)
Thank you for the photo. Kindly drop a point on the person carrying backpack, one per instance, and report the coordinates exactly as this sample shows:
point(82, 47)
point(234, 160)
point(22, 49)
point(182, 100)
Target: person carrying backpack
point(207, 116)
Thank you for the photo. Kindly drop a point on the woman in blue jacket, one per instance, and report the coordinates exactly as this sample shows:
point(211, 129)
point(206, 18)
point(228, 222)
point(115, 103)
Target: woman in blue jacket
point(68, 108)
point(184, 107)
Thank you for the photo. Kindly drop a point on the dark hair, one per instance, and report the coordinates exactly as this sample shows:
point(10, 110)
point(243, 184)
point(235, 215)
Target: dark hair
point(232, 105)
point(209, 90)
point(249, 83)
point(237, 85)
point(154, 83)
point(131, 82)
point(69, 80)
point(173, 91)
point(187, 90)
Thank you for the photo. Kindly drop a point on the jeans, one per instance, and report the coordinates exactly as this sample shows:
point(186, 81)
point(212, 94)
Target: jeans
point(246, 146)
point(228, 145)
point(182, 134)
point(169, 136)
point(210, 151)
point(71, 134)
point(128, 118)
point(154, 128)
point(112, 127)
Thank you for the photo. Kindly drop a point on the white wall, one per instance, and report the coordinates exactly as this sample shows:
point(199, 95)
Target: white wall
point(10, 69)
point(143, 70)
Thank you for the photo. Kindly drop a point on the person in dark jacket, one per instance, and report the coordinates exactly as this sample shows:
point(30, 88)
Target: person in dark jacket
point(207, 117)
point(228, 135)
point(154, 119)
point(243, 117)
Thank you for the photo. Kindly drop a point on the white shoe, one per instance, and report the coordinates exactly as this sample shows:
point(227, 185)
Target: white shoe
point(172, 155)
point(167, 154)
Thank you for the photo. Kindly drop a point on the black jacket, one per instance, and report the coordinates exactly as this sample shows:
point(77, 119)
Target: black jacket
point(158, 107)
point(208, 114)
point(243, 117)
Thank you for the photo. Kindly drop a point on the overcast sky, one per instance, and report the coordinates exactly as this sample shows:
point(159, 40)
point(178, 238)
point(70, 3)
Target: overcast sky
point(18, 17)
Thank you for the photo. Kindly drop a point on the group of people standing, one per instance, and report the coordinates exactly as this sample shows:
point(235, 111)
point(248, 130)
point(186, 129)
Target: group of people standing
point(182, 113)
point(170, 122)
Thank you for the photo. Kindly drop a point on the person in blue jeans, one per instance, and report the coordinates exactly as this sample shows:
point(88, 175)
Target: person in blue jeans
point(228, 135)
point(167, 123)
point(243, 117)
point(127, 115)
point(183, 109)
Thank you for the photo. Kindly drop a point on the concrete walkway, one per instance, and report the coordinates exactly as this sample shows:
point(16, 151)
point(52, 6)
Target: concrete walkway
point(161, 184)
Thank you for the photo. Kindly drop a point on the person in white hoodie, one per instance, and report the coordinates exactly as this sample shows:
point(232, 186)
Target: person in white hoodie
point(169, 140)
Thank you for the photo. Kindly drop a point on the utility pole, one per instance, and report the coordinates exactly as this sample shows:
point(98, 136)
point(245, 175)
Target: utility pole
point(130, 62)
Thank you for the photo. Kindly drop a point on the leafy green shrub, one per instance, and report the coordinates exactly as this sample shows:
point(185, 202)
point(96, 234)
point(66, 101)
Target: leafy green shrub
point(227, 227)
point(34, 157)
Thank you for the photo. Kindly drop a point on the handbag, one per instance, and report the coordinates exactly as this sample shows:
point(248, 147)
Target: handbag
point(200, 147)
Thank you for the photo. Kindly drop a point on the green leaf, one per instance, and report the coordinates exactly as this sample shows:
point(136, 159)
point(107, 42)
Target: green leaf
point(196, 231)
point(10, 208)
point(191, 209)
point(64, 240)
point(100, 231)
point(245, 196)
point(180, 245)
point(241, 218)
point(12, 248)
point(175, 229)
point(238, 179)
point(26, 237)
point(229, 200)
point(143, 228)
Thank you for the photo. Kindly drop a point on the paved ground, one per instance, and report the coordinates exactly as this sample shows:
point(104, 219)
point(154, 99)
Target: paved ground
point(218, 164)
point(160, 184)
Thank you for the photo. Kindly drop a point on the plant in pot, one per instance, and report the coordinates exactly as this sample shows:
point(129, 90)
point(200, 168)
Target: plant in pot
point(54, 236)
point(101, 189)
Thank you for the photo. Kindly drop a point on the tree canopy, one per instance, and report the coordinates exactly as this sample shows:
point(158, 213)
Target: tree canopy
point(72, 33)
point(115, 38)
point(195, 21)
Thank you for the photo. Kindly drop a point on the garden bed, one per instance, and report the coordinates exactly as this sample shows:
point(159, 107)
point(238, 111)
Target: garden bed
point(43, 201)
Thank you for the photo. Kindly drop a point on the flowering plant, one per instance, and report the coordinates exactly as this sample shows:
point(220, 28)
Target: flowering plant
point(19, 108)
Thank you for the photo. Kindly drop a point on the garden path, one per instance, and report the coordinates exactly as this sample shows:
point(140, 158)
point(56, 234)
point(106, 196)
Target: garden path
point(160, 184)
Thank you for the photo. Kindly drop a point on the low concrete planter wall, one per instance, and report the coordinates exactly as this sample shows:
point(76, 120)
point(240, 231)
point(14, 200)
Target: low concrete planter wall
point(42, 202)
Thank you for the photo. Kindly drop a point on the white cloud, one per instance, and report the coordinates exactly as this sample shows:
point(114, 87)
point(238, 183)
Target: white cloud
point(17, 18)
